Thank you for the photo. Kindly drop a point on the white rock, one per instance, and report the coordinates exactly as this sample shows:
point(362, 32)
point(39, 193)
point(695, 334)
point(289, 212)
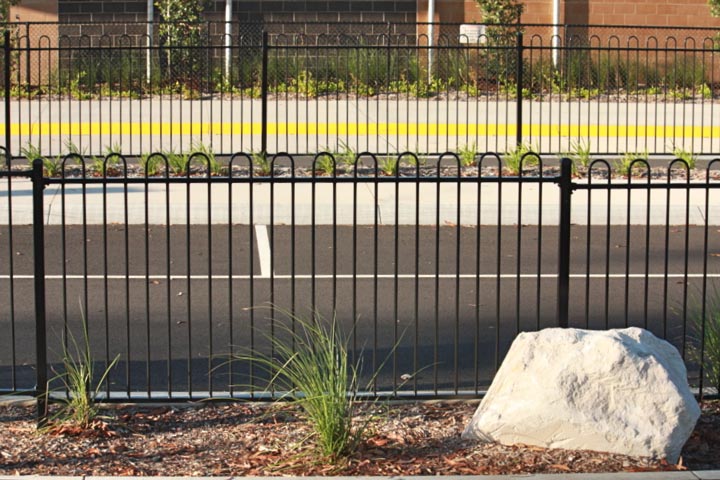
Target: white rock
point(621, 391)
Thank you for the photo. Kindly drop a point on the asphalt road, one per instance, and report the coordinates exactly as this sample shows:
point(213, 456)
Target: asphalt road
point(412, 310)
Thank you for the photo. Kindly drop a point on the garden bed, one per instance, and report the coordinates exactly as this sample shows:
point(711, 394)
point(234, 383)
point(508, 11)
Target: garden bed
point(409, 438)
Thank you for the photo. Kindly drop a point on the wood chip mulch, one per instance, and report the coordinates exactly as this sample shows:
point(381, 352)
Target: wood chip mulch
point(260, 439)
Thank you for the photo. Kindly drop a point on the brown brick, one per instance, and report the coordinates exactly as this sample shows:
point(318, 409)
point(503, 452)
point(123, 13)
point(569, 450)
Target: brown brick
point(624, 8)
point(646, 9)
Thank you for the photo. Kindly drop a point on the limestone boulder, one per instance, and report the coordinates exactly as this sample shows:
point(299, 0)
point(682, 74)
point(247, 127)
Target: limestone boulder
point(621, 391)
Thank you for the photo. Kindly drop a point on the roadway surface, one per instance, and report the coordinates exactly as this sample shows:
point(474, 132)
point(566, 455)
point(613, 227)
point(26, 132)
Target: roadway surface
point(410, 306)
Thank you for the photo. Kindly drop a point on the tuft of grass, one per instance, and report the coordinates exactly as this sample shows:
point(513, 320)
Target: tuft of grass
point(467, 154)
point(213, 165)
point(345, 155)
point(51, 166)
point(151, 163)
point(262, 163)
point(623, 164)
point(324, 164)
point(580, 153)
point(311, 364)
point(707, 353)
point(685, 156)
point(79, 407)
point(388, 166)
point(177, 162)
point(515, 160)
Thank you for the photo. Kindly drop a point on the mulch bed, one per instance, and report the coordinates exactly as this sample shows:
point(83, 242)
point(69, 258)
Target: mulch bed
point(410, 438)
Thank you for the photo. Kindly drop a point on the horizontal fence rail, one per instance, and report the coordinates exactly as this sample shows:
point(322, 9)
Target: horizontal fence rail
point(430, 266)
point(300, 88)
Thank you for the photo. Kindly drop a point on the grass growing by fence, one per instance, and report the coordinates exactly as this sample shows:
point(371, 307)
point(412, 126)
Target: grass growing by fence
point(78, 378)
point(311, 363)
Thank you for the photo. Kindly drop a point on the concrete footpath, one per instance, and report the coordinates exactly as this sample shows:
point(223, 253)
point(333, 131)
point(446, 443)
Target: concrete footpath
point(509, 204)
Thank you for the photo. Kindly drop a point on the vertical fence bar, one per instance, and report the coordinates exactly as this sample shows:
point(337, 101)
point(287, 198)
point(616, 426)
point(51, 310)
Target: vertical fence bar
point(39, 286)
point(264, 94)
point(519, 86)
point(563, 294)
point(6, 48)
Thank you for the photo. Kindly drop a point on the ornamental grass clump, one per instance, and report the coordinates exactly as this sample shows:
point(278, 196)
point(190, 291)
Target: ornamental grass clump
point(78, 407)
point(310, 365)
point(707, 353)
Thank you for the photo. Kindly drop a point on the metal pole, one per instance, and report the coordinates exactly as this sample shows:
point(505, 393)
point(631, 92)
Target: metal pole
point(228, 37)
point(149, 40)
point(39, 279)
point(431, 34)
point(264, 94)
point(555, 31)
point(564, 243)
point(8, 64)
point(519, 86)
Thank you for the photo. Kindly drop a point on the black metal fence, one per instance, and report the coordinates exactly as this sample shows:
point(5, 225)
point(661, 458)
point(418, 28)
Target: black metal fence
point(93, 88)
point(431, 266)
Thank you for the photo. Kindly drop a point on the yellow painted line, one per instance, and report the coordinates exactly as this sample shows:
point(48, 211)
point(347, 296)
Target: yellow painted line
point(358, 129)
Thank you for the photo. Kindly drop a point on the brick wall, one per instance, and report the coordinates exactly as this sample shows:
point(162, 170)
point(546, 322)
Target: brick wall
point(250, 11)
point(677, 13)
point(102, 11)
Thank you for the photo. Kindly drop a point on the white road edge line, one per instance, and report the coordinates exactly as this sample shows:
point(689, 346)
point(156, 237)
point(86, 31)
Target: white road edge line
point(402, 276)
point(263, 249)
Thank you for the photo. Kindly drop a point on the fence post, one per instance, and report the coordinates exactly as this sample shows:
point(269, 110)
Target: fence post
point(563, 295)
point(519, 69)
point(39, 277)
point(8, 64)
point(264, 94)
